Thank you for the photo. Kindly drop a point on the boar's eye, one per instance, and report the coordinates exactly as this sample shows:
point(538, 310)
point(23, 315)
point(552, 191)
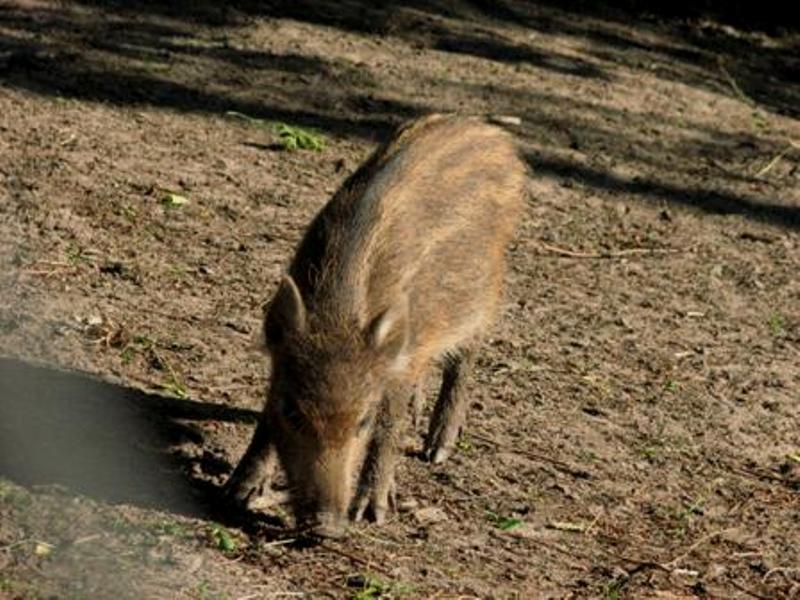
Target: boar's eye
point(291, 412)
point(364, 423)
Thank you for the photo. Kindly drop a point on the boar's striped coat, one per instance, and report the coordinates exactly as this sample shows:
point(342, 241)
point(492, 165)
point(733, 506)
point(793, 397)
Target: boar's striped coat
point(403, 266)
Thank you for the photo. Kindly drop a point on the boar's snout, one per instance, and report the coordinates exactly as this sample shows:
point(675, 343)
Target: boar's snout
point(328, 525)
point(324, 493)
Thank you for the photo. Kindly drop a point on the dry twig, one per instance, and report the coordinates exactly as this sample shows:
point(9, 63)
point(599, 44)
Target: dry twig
point(45, 272)
point(768, 167)
point(734, 86)
point(610, 254)
point(697, 544)
point(741, 588)
point(356, 559)
point(560, 465)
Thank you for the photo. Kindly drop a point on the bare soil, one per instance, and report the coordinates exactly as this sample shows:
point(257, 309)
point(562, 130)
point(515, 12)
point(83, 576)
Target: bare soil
point(634, 429)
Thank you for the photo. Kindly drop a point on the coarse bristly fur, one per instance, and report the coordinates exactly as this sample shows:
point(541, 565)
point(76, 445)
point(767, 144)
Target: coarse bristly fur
point(403, 266)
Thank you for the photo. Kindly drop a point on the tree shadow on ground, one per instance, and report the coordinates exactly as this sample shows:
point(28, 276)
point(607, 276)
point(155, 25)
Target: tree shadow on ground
point(131, 61)
point(150, 54)
point(140, 53)
point(103, 440)
point(710, 201)
point(689, 43)
point(313, 91)
point(704, 54)
point(670, 40)
point(492, 47)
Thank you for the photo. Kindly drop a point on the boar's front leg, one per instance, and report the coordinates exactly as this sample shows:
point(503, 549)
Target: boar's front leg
point(253, 474)
point(376, 487)
point(451, 406)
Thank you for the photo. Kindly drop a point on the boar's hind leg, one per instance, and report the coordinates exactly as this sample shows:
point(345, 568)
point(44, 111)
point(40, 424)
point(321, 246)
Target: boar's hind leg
point(253, 474)
point(451, 406)
point(417, 404)
point(376, 486)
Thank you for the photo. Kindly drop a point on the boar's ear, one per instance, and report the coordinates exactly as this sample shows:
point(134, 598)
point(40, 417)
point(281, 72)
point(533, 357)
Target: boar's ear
point(286, 313)
point(388, 333)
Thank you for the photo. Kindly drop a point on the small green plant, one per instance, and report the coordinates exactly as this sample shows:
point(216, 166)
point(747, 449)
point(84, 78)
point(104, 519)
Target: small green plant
point(464, 445)
point(148, 347)
point(776, 324)
point(127, 354)
point(170, 528)
point(281, 513)
point(671, 386)
point(501, 522)
point(206, 592)
point(76, 255)
point(291, 137)
point(370, 588)
point(759, 120)
point(222, 538)
point(13, 496)
point(373, 588)
point(613, 590)
point(120, 524)
point(695, 508)
point(173, 200)
point(686, 514)
point(203, 588)
point(651, 453)
point(139, 344)
point(298, 138)
point(130, 213)
point(175, 388)
point(177, 272)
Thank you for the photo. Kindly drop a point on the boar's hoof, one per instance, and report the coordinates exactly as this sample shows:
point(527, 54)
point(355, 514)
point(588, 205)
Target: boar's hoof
point(379, 514)
point(436, 451)
point(328, 531)
point(241, 493)
point(328, 526)
point(440, 455)
point(376, 505)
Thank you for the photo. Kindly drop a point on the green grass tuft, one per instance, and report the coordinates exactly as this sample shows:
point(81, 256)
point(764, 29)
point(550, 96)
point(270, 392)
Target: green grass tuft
point(501, 522)
point(298, 138)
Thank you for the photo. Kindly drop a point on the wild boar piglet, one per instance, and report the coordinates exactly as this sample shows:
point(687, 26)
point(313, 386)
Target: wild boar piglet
point(401, 268)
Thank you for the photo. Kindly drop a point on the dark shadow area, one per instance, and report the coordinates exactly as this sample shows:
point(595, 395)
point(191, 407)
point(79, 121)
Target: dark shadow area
point(145, 53)
point(493, 48)
point(311, 91)
point(102, 440)
point(710, 201)
point(619, 31)
point(768, 15)
point(701, 48)
point(380, 16)
point(110, 58)
point(709, 58)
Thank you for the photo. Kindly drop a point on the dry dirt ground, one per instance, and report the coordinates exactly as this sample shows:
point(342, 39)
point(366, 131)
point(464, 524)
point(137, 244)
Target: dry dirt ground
point(634, 430)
